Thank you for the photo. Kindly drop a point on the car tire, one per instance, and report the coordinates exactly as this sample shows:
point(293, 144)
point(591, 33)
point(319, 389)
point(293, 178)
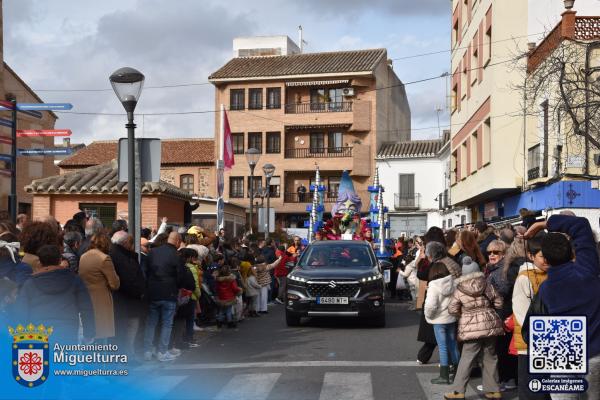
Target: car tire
point(379, 321)
point(291, 319)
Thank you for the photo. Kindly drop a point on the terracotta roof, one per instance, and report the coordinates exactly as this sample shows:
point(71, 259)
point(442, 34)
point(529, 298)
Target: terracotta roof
point(411, 149)
point(301, 64)
point(174, 151)
point(99, 179)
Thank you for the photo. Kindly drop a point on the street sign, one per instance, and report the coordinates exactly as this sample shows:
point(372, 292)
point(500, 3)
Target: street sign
point(149, 151)
point(6, 104)
point(57, 151)
point(38, 106)
point(5, 140)
point(45, 132)
point(6, 122)
point(5, 157)
point(35, 114)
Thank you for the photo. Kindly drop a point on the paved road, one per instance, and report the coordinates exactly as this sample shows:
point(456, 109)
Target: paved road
point(263, 359)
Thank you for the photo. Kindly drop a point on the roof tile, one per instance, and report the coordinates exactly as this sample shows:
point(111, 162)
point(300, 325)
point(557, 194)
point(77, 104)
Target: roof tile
point(411, 149)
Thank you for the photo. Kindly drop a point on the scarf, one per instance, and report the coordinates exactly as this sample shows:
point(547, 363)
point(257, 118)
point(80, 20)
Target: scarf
point(12, 247)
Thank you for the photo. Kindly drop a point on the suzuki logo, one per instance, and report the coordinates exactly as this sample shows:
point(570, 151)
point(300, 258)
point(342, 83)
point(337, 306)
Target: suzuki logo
point(332, 284)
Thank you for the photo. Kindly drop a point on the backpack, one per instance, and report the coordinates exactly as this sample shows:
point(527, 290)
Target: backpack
point(537, 307)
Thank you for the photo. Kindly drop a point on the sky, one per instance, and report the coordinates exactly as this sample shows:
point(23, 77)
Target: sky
point(66, 50)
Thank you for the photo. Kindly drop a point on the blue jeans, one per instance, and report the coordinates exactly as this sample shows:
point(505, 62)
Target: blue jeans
point(165, 311)
point(225, 314)
point(445, 335)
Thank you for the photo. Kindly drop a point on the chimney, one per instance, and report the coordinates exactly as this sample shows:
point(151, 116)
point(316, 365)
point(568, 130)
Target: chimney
point(531, 46)
point(567, 25)
point(301, 42)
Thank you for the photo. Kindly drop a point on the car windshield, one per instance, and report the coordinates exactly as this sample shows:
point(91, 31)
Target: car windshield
point(338, 255)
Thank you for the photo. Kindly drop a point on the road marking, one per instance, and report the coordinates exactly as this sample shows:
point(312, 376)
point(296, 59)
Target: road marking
point(435, 392)
point(346, 386)
point(248, 387)
point(291, 364)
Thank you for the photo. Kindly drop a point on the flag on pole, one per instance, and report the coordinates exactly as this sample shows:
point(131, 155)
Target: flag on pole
point(228, 157)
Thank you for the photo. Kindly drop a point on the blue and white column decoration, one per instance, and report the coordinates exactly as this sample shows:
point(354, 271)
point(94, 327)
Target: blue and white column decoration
point(316, 208)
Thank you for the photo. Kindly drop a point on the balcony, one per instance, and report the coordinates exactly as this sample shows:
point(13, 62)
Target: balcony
point(319, 152)
point(305, 108)
point(407, 202)
point(533, 173)
point(330, 197)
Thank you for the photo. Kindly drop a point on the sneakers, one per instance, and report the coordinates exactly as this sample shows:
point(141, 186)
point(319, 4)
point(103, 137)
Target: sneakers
point(148, 356)
point(454, 395)
point(191, 345)
point(174, 352)
point(420, 362)
point(198, 329)
point(164, 357)
point(279, 301)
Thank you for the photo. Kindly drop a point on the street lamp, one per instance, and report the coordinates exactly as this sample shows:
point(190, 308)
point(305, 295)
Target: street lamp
point(268, 170)
point(252, 156)
point(569, 4)
point(127, 83)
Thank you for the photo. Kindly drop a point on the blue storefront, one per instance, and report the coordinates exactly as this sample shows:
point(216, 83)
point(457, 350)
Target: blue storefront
point(562, 194)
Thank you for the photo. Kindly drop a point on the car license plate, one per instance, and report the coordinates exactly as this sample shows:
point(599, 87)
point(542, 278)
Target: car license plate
point(332, 300)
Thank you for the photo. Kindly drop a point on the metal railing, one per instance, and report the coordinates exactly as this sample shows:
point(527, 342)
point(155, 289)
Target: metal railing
point(533, 173)
point(407, 201)
point(319, 152)
point(291, 197)
point(305, 108)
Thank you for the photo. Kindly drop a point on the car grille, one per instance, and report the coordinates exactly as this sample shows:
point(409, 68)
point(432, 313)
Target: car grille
point(325, 290)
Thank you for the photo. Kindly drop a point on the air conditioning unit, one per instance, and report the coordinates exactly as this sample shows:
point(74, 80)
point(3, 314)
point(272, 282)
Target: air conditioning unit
point(348, 92)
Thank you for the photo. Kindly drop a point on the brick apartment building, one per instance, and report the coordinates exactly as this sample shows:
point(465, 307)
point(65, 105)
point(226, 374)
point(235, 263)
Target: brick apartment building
point(300, 110)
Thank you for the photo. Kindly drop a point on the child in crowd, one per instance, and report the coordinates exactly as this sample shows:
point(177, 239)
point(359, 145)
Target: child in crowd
point(252, 292)
point(238, 308)
point(227, 291)
point(187, 311)
point(263, 278)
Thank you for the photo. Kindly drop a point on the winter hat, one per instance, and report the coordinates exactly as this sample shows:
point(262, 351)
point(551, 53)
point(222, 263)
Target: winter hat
point(469, 266)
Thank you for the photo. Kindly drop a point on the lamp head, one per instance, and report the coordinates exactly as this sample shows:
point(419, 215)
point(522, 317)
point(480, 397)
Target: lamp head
point(252, 156)
point(569, 4)
point(269, 170)
point(127, 83)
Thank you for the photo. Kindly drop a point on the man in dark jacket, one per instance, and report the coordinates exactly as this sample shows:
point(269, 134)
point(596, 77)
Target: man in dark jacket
point(56, 298)
point(485, 236)
point(72, 241)
point(166, 274)
point(129, 306)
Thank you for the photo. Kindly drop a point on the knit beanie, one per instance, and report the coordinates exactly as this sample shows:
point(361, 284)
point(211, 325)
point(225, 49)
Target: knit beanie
point(469, 266)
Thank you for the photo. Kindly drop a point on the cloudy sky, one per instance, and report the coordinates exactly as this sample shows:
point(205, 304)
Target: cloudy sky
point(66, 49)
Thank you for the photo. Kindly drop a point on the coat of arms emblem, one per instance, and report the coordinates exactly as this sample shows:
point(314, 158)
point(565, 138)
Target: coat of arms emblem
point(30, 354)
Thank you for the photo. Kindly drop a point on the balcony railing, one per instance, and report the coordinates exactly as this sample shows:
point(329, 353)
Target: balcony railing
point(330, 197)
point(533, 173)
point(319, 152)
point(305, 108)
point(407, 201)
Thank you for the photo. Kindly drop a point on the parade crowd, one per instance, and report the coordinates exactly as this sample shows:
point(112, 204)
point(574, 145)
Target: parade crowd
point(482, 283)
point(87, 282)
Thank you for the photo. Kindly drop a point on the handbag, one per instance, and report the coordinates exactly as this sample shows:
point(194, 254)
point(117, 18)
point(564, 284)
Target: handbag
point(400, 283)
point(184, 296)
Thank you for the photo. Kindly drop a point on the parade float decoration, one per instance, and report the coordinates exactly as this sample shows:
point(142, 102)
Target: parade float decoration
point(378, 211)
point(317, 207)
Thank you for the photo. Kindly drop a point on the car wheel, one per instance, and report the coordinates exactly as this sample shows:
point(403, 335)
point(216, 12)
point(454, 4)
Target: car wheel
point(291, 319)
point(379, 321)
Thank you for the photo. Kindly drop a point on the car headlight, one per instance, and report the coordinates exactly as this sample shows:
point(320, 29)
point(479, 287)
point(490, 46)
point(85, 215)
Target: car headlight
point(372, 278)
point(296, 278)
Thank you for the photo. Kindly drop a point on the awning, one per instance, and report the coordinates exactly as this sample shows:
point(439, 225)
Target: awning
point(318, 83)
point(316, 126)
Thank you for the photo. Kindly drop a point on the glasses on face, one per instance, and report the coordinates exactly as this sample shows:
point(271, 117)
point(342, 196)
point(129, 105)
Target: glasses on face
point(495, 252)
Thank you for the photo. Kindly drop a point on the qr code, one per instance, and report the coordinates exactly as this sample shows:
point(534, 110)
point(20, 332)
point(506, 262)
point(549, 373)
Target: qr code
point(557, 345)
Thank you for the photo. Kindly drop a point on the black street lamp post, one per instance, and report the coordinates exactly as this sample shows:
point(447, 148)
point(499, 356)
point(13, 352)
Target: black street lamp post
point(269, 170)
point(252, 156)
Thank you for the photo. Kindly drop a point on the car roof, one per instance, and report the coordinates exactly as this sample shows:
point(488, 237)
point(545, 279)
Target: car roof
point(339, 243)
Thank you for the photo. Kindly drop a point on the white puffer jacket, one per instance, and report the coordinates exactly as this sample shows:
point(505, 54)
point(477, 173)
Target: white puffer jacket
point(439, 294)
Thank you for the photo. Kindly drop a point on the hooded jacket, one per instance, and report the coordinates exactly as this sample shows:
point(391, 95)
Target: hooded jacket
point(473, 302)
point(439, 294)
point(452, 267)
point(57, 298)
point(17, 272)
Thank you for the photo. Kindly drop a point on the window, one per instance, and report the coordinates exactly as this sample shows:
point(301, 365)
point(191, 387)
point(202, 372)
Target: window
point(454, 99)
point(464, 80)
point(488, 46)
point(463, 160)
point(238, 143)
point(256, 184)
point(236, 99)
point(473, 153)
point(105, 212)
point(449, 223)
point(186, 182)
point(545, 128)
point(474, 59)
point(406, 192)
point(273, 142)
point(255, 99)
point(273, 98)
point(255, 141)
point(534, 158)
point(454, 167)
point(487, 142)
point(333, 187)
point(455, 34)
point(463, 219)
point(317, 142)
point(275, 187)
point(236, 187)
point(327, 99)
point(335, 142)
point(465, 14)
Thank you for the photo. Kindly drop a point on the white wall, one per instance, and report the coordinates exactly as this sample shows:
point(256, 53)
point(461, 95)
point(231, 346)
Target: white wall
point(283, 42)
point(429, 179)
point(545, 14)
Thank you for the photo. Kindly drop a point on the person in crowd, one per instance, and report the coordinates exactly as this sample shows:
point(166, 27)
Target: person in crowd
point(485, 235)
point(80, 219)
point(128, 299)
point(227, 290)
point(93, 226)
point(35, 235)
point(57, 297)
point(439, 293)
point(531, 275)
point(11, 266)
point(573, 281)
point(71, 242)
point(436, 251)
point(281, 272)
point(183, 331)
point(301, 193)
point(474, 303)
point(296, 248)
point(467, 246)
point(527, 216)
point(263, 277)
point(252, 292)
point(97, 271)
point(410, 274)
point(507, 236)
point(50, 220)
point(166, 274)
point(22, 220)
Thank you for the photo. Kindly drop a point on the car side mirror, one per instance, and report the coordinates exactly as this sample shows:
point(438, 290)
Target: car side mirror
point(384, 264)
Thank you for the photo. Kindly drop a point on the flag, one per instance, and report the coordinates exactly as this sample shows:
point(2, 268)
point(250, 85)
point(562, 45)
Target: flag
point(228, 158)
